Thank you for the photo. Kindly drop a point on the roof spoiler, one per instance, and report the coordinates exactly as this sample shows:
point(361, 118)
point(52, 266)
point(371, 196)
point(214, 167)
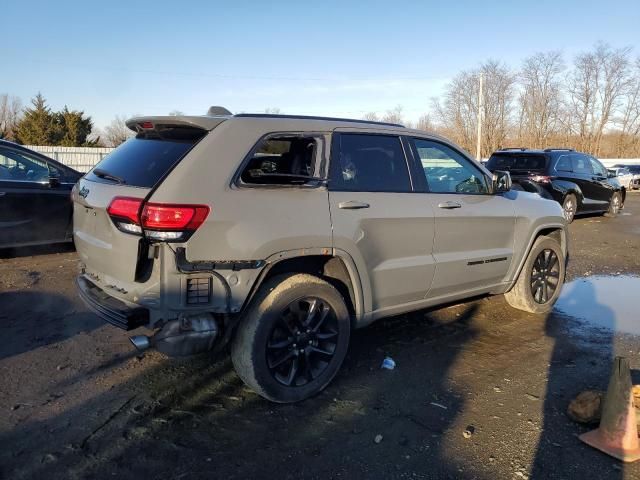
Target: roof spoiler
point(204, 122)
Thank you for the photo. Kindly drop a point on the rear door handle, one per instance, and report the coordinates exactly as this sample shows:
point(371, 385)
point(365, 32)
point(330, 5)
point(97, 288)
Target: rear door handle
point(2, 194)
point(353, 205)
point(449, 205)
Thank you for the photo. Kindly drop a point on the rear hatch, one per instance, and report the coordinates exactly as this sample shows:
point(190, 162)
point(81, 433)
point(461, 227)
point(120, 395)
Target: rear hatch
point(519, 164)
point(112, 249)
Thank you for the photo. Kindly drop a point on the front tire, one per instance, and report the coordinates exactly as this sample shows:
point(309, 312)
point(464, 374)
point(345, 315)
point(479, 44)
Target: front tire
point(292, 339)
point(615, 205)
point(540, 281)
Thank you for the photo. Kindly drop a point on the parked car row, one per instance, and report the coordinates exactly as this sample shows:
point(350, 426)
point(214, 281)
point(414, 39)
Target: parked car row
point(577, 181)
point(628, 175)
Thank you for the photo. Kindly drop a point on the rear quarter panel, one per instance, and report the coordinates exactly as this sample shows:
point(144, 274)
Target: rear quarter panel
point(244, 223)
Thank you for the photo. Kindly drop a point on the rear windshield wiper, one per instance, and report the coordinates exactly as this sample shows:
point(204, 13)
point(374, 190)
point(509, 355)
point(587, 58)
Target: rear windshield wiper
point(292, 176)
point(103, 174)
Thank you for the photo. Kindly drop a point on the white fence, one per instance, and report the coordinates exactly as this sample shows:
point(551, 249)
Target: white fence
point(84, 158)
point(79, 158)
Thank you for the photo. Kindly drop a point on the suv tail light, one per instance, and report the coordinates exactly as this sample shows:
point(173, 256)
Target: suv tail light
point(159, 221)
point(540, 178)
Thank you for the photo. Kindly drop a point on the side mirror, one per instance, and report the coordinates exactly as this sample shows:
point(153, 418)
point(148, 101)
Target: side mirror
point(611, 174)
point(501, 181)
point(54, 178)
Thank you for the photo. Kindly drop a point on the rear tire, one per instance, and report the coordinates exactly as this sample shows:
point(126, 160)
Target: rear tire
point(615, 205)
point(292, 339)
point(569, 207)
point(540, 281)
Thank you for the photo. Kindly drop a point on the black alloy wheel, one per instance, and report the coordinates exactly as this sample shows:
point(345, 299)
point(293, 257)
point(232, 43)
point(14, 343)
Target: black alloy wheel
point(302, 342)
point(545, 276)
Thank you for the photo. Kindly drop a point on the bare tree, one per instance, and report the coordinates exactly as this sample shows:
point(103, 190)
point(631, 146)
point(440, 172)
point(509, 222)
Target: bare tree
point(628, 138)
point(457, 113)
point(116, 132)
point(425, 123)
point(371, 117)
point(597, 85)
point(394, 115)
point(540, 98)
point(273, 111)
point(10, 109)
point(176, 113)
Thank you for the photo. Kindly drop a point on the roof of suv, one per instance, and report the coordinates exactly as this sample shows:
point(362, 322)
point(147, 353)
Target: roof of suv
point(209, 122)
point(533, 150)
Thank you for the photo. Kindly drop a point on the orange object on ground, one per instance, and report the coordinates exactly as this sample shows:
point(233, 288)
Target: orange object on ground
point(617, 434)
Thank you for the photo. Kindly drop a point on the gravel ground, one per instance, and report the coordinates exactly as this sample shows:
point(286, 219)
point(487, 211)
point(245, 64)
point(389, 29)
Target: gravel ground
point(479, 391)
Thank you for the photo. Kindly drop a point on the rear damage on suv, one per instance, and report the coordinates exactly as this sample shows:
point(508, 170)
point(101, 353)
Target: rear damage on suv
point(134, 270)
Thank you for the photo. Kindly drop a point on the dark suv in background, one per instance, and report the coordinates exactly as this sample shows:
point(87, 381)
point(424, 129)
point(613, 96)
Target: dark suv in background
point(579, 182)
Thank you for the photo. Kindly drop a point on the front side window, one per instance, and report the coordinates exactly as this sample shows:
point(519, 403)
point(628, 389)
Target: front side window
point(17, 166)
point(369, 163)
point(581, 164)
point(447, 171)
point(282, 160)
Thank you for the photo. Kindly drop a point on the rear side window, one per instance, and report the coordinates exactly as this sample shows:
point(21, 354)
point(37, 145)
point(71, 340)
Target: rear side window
point(564, 163)
point(581, 164)
point(282, 160)
point(519, 161)
point(142, 161)
point(369, 163)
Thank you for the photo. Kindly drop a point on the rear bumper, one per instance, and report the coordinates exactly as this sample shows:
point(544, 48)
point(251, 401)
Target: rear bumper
point(110, 308)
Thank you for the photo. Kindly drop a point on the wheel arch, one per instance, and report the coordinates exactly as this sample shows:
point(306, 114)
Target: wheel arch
point(333, 266)
point(557, 231)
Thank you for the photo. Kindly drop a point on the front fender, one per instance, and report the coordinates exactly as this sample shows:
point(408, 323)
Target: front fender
point(534, 216)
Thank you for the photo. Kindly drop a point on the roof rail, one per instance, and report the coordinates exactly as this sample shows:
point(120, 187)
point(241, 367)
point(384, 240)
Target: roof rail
point(512, 148)
point(559, 149)
point(308, 117)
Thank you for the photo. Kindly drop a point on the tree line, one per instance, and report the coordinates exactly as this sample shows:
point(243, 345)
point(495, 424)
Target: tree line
point(591, 105)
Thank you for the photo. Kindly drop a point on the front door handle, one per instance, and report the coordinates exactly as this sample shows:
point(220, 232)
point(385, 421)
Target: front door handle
point(449, 205)
point(353, 205)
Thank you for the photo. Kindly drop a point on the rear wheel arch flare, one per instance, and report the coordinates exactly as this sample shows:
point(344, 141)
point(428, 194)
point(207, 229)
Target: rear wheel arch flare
point(331, 268)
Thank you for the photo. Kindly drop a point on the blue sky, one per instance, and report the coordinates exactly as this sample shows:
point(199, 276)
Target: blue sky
point(320, 58)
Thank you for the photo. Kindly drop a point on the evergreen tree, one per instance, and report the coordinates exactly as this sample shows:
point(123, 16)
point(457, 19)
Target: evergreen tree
point(38, 125)
point(73, 128)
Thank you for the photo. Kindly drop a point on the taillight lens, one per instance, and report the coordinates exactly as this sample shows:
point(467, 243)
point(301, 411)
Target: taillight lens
point(125, 208)
point(160, 221)
point(540, 178)
point(173, 217)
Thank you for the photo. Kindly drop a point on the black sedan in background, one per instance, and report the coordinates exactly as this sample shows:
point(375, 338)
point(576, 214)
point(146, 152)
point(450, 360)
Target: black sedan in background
point(578, 181)
point(35, 206)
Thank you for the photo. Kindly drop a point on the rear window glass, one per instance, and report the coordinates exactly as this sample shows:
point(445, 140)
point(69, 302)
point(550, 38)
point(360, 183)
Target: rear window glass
point(517, 162)
point(142, 161)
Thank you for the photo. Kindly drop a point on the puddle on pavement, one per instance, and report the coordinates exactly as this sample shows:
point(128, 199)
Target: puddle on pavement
point(611, 302)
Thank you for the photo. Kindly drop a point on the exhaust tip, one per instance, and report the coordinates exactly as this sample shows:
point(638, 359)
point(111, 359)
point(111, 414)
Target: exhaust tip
point(141, 342)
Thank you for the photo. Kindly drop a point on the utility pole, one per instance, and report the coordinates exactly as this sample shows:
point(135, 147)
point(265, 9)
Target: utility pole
point(480, 110)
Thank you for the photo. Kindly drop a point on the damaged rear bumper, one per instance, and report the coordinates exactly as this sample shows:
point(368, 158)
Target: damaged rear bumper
point(109, 308)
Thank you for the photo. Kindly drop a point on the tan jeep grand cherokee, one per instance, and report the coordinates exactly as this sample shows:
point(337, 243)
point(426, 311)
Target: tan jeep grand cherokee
point(280, 234)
